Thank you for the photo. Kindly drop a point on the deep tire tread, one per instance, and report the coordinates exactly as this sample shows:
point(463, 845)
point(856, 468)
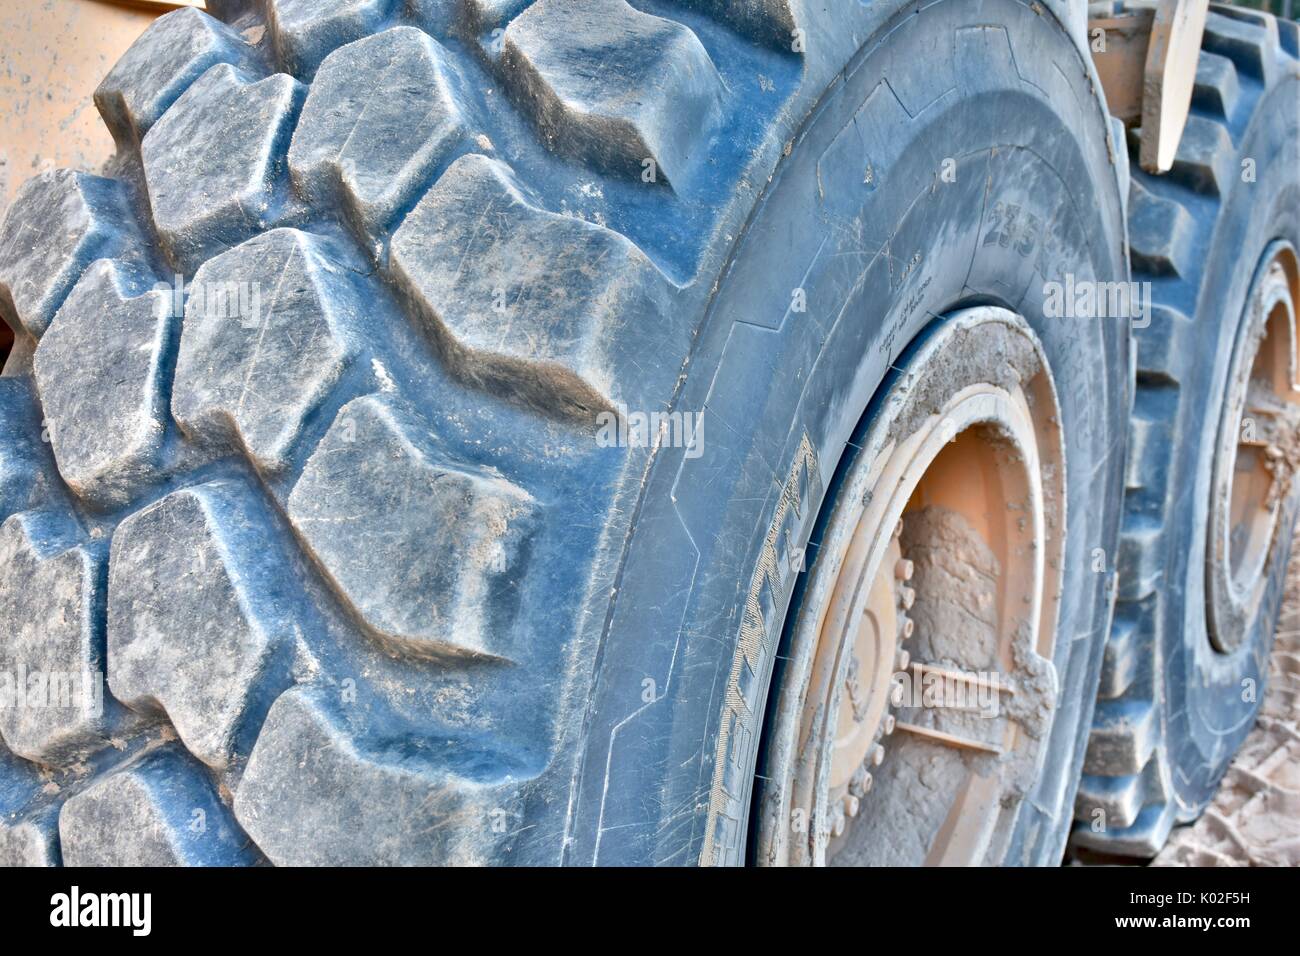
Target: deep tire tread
point(216, 466)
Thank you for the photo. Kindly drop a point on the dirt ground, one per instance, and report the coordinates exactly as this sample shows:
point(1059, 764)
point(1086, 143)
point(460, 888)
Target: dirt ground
point(1255, 818)
point(53, 53)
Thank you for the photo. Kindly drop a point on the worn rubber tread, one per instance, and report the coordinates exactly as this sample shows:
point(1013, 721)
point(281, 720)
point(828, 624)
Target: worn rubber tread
point(417, 127)
point(231, 129)
point(586, 114)
point(209, 554)
point(305, 32)
point(563, 348)
point(167, 804)
point(212, 551)
point(58, 223)
point(1216, 86)
point(1159, 234)
point(101, 368)
point(173, 52)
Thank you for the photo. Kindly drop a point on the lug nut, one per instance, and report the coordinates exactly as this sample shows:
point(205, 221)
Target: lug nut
point(904, 659)
point(908, 627)
point(903, 569)
point(877, 755)
point(889, 724)
point(867, 781)
point(896, 695)
point(857, 785)
point(837, 825)
point(898, 528)
point(851, 804)
point(909, 598)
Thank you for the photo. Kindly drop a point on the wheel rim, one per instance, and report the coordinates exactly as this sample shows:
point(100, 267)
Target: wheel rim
point(984, 458)
point(1257, 453)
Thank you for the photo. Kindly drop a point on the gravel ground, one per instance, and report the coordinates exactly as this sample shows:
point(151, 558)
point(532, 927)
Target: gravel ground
point(1255, 818)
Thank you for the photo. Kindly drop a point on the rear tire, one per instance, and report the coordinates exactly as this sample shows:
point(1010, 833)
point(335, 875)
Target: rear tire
point(1185, 665)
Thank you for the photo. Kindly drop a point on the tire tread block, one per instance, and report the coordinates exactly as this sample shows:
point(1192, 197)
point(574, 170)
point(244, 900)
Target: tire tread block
point(315, 772)
point(228, 131)
point(519, 308)
point(161, 810)
point(1249, 41)
point(160, 65)
point(305, 32)
point(101, 369)
point(425, 550)
point(378, 149)
point(1204, 160)
point(1160, 233)
point(50, 615)
point(1123, 737)
point(655, 96)
point(1216, 88)
point(58, 223)
point(202, 615)
point(256, 375)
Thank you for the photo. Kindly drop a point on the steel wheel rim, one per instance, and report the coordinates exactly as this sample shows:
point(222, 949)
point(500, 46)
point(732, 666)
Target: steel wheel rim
point(1010, 431)
point(1257, 451)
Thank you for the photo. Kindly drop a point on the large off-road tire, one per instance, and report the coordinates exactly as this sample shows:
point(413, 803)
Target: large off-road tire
point(304, 431)
point(1186, 662)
